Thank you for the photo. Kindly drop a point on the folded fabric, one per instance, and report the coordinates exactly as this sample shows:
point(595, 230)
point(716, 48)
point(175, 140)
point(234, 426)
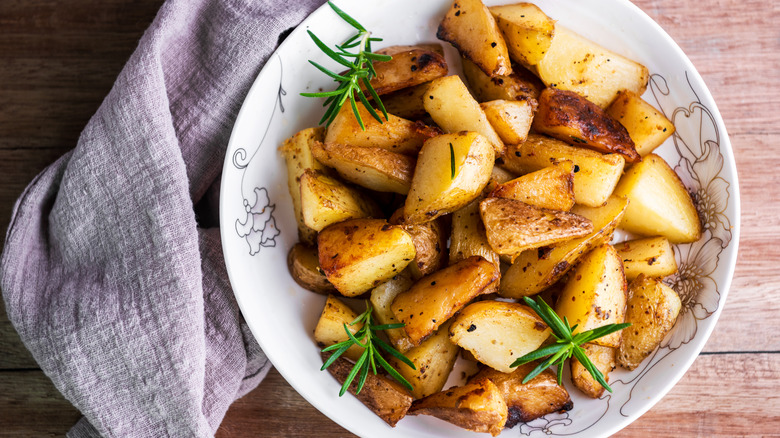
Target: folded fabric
point(114, 283)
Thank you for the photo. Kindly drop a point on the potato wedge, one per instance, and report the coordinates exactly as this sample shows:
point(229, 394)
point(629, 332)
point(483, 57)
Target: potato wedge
point(551, 187)
point(512, 226)
point(468, 236)
point(653, 257)
point(652, 309)
point(595, 174)
point(298, 157)
point(394, 134)
point(497, 332)
point(433, 360)
point(570, 117)
point(510, 118)
point(330, 326)
point(647, 127)
point(660, 203)
point(535, 270)
point(435, 298)
point(370, 167)
point(407, 102)
point(381, 298)
point(471, 28)
point(304, 266)
point(451, 106)
point(520, 85)
point(359, 254)
point(410, 66)
point(477, 406)
point(383, 396)
point(576, 64)
point(430, 242)
point(437, 189)
point(596, 294)
point(540, 396)
point(604, 360)
point(528, 31)
point(326, 200)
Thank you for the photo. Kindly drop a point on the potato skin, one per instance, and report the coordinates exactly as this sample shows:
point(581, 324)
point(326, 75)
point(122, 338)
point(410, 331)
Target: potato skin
point(410, 66)
point(370, 167)
point(430, 241)
point(521, 84)
point(304, 264)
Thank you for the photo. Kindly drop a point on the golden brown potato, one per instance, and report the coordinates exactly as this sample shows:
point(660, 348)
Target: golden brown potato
point(652, 311)
point(359, 254)
point(497, 332)
point(653, 257)
point(468, 236)
point(430, 241)
point(595, 174)
point(381, 298)
point(551, 187)
point(326, 200)
point(394, 134)
point(513, 226)
point(528, 31)
point(528, 401)
point(570, 117)
point(660, 203)
point(596, 294)
point(437, 189)
point(576, 64)
point(330, 326)
point(535, 270)
point(604, 360)
point(407, 102)
point(477, 406)
point(370, 167)
point(647, 127)
point(471, 28)
point(520, 85)
point(298, 157)
point(435, 298)
point(433, 360)
point(304, 266)
point(385, 397)
point(410, 66)
point(510, 118)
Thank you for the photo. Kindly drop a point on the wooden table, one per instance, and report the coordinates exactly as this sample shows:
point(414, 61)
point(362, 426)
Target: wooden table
point(58, 59)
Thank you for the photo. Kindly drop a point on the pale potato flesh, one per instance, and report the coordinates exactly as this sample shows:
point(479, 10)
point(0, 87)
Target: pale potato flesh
point(511, 119)
point(652, 256)
point(646, 125)
point(551, 187)
point(370, 167)
point(468, 236)
point(326, 200)
point(528, 31)
point(604, 360)
point(330, 326)
point(381, 298)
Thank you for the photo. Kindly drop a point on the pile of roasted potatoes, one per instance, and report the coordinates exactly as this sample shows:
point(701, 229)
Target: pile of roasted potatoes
point(472, 195)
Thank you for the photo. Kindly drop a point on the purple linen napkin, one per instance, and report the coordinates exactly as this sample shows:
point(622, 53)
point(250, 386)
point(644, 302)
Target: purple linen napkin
point(113, 282)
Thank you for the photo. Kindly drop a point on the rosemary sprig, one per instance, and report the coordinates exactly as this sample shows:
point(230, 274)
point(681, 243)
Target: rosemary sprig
point(360, 71)
point(367, 339)
point(452, 162)
point(566, 344)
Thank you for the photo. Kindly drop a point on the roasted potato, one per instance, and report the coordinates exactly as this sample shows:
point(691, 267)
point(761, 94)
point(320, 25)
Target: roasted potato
point(497, 332)
point(394, 134)
point(298, 157)
point(570, 117)
point(652, 256)
point(551, 187)
point(304, 266)
point(652, 310)
point(326, 200)
point(660, 203)
point(330, 326)
point(371, 167)
point(511, 119)
point(471, 28)
point(452, 169)
point(535, 270)
point(468, 236)
point(595, 174)
point(410, 66)
point(596, 294)
point(407, 102)
point(528, 31)
point(520, 85)
point(604, 360)
point(513, 226)
point(386, 398)
point(435, 298)
point(451, 106)
point(528, 401)
point(576, 64)
point(430, 242)
point(381, 298)
point(359, 254)
point(647, 127)
point(478, 406)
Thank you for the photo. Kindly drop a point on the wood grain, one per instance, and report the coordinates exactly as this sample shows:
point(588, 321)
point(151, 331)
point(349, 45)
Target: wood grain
point(59, 58)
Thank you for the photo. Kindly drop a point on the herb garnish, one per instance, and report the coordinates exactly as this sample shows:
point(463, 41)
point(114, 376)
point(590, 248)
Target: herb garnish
point(566, 344)
point(361, 70)
point(367, 339)
point(452, 162)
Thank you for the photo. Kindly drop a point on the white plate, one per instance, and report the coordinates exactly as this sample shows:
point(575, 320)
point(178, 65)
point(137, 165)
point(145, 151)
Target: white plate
point(258, 226)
